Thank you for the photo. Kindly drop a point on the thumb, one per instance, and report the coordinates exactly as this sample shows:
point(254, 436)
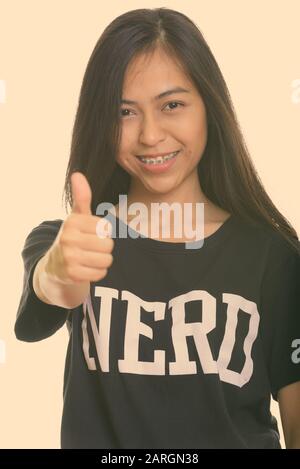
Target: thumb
point(81, 194)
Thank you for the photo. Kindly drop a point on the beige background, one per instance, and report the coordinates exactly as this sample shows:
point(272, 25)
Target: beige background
point(44, 49)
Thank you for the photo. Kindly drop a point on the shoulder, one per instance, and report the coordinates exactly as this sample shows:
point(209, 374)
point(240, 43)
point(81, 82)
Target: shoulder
point(257, 241)
point(265, 234)
point(47, 226)
point(44, 231)
point(280, 250)
point(49, 223)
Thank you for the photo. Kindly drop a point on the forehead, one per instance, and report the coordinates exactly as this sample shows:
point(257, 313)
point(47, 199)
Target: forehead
point(152, 73)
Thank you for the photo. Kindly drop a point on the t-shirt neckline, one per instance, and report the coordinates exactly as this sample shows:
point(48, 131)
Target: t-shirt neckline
point(156, 245)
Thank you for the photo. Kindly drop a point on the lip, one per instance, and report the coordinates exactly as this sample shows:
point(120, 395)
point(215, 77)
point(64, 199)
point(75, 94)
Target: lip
point(156, 155)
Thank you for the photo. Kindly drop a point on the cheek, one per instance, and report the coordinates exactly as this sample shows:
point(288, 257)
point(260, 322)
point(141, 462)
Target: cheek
point(198, 135)
point(196, 124)
point(126, 146)
point(122, 160)
point(125, 161)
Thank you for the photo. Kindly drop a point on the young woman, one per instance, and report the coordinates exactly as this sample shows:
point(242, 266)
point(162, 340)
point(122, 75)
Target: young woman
point(169, 347)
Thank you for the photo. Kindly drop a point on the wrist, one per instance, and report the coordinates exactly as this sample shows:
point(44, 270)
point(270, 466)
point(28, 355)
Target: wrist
point(51, 266)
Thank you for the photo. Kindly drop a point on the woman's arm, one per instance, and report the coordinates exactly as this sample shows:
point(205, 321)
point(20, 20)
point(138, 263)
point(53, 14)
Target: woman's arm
point(289, 406)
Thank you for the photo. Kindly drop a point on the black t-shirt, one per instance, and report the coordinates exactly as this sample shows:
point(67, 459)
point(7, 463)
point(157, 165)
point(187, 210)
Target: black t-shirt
point(175, 347)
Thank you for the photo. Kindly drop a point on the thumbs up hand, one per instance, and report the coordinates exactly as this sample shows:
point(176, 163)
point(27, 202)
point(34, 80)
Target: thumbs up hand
point(79, 255)
point(81, 194)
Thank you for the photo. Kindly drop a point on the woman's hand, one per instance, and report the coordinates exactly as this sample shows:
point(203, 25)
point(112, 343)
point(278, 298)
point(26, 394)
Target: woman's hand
point(79, 255)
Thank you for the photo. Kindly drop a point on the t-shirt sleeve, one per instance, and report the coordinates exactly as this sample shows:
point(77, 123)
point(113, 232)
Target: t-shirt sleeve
point(37, 320)
point(280, 305)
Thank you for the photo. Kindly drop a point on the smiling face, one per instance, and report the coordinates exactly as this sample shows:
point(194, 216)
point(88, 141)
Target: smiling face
point(153, 125)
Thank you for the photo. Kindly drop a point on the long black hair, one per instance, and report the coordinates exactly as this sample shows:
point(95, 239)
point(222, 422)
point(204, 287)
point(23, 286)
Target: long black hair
point(226, 173)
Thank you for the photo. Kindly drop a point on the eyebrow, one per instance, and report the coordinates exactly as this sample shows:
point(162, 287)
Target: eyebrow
point(178, 89)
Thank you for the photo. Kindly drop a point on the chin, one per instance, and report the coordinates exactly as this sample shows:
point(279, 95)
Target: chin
point(164, 190)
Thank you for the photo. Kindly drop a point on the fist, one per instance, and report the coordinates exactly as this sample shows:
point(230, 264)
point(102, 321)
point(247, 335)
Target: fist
point(81, 252)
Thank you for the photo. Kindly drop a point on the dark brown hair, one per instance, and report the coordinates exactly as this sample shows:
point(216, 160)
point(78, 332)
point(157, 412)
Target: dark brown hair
point(226, 173)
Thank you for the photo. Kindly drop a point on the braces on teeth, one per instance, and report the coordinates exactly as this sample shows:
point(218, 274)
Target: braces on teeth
point(159, 159)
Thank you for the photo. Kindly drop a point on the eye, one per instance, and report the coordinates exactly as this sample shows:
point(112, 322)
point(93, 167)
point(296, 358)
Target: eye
point(125, 109)
point(175, 102)
point(171, 102)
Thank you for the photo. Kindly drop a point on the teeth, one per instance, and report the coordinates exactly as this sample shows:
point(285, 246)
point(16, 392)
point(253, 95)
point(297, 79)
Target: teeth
point(159, 159)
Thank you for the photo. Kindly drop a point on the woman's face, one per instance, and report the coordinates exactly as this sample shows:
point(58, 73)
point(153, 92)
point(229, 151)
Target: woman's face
point(151, 125)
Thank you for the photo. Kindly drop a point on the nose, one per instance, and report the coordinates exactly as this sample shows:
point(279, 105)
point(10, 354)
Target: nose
point(151, 131)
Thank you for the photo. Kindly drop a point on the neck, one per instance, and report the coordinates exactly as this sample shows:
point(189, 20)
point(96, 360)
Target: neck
point(189, 192)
